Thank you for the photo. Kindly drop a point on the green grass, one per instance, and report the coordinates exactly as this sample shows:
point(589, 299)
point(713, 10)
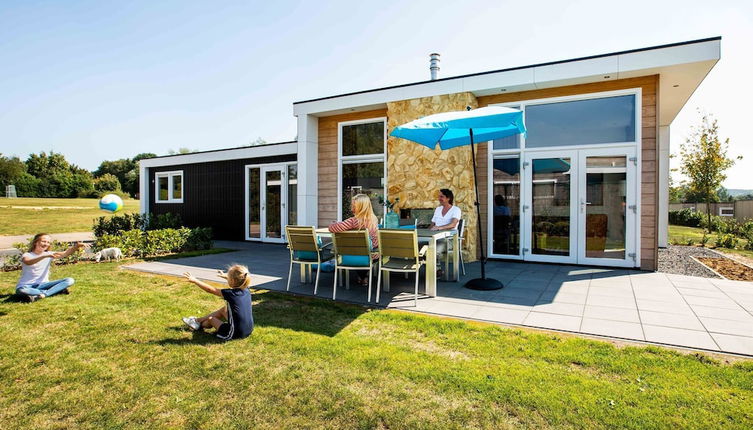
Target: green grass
point(114, 354)
point(22, 216)
point(681, 235)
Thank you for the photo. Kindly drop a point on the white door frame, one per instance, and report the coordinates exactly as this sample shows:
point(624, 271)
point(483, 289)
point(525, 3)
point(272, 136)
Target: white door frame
point(527, 209)
point(263, 169)
point(631, 206)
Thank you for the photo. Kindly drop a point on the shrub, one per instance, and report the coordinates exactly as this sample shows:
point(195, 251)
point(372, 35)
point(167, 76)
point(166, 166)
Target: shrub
point(166, 220)
point(686, 217)
point(115, 224)
point(106, 183)
point(726, 241)
point(13, 262)
point(157, 242)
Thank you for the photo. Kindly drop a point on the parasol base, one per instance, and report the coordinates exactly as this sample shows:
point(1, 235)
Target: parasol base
point(483, 284)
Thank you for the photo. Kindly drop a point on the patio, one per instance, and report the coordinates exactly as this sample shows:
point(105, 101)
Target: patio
point(683, 311)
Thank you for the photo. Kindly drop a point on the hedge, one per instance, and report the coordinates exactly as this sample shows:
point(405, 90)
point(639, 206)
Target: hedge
point(156, 242)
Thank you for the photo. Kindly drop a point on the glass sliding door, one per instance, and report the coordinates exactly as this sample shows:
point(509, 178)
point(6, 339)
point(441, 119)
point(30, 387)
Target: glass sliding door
point(505, 228)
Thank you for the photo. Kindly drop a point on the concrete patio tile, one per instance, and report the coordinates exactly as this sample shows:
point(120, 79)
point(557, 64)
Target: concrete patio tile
point(563, 297)
point(688, 322)
point(502, 315)
point(724, 314)
point(679, 337)
point(535, 275)
point(735, 344)
point(519, 292)
point(612, 314)
point(621, 292)
point(675, 307)
point(615, 302)
point(621, 329)
point(715, 293)
point(559, 308)
point(707, 285)
point(576, 288)
point(709, 301)
point(737, 328)
point(553, 321)
point(539, 285)
point(503, 299)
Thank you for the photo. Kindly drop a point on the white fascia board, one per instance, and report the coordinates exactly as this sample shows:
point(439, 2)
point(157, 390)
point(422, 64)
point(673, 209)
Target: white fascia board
point(231, 154)
point(641, 63)
point(672, 56)
point(576, 72)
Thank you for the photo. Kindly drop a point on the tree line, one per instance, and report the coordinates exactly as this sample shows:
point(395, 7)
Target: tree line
point(51, 175)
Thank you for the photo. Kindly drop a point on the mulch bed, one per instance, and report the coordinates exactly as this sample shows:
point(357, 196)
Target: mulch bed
point(728, 268)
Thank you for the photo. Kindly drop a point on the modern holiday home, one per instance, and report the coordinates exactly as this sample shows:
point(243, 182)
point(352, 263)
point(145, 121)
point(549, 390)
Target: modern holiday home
point(586, 185)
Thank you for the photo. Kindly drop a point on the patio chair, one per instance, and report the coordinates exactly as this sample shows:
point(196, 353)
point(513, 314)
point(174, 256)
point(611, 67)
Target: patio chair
point(399, 253)
point(306, 249)
point(352, 252)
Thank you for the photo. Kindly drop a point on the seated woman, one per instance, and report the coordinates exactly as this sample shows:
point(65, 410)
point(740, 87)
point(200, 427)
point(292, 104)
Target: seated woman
point(363, 219)
point(446, 217)
point(35, 283)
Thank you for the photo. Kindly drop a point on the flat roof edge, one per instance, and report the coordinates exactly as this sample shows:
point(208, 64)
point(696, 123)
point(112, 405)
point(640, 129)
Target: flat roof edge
point(630, 51)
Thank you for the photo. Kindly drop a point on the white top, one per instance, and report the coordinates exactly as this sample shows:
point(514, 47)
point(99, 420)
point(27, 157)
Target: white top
point(439, 220)
point(37, 273)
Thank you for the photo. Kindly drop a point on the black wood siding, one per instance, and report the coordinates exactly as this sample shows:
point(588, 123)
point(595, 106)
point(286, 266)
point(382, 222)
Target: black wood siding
point(213, 194)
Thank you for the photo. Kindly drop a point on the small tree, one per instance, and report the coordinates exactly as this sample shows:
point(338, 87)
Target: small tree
point(704, 161)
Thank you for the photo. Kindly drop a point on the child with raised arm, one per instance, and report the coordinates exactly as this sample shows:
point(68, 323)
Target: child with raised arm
point(234, 320)
point(35, 283)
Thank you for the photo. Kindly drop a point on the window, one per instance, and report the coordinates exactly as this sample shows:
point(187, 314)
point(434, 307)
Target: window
point(361, 163)
point(727, 211)
point(169, 187)
point(581, 122)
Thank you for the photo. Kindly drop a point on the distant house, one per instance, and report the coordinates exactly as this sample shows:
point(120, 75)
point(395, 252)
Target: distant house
point(587, 185)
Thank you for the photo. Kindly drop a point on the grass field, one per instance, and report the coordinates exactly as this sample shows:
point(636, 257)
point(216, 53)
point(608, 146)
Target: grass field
point(29, 216)
point(114, 354)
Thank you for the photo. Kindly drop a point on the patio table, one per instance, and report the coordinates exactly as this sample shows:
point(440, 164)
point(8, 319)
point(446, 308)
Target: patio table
point(430, 237)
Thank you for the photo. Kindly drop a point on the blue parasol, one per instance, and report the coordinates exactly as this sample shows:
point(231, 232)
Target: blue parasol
point(453, 129)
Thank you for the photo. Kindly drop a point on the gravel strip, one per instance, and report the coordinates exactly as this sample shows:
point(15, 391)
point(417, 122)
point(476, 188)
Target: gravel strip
point(676, 259)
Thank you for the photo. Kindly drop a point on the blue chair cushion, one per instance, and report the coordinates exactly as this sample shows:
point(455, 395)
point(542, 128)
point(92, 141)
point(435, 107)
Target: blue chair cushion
point(356, 260)
point(304, 255)
point(408, 227)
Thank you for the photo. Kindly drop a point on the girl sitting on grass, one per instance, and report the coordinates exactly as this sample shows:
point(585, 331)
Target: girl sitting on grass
point(35, 283)
point(234, 320)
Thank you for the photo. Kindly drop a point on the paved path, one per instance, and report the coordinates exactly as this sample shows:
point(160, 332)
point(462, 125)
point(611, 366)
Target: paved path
point(649, 307)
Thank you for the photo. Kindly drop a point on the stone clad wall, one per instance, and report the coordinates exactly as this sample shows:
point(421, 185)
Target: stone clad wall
point(416, 173)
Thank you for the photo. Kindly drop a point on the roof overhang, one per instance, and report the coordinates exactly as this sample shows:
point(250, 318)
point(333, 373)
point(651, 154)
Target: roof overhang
point(288, 148)
point(681, 67)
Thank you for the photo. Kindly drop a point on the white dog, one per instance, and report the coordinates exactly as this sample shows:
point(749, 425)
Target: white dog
point(108, 254)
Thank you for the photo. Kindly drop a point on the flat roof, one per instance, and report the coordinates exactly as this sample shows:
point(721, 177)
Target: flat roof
point(251, 151)
point(682, 66)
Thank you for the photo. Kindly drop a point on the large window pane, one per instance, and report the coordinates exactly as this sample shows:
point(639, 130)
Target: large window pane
point(177, 187)
point(509, 142)
point(551, 206)
point(606, 182)
point(273, 197)
point(360, 139)
point(164, 189)
point(365, 178)
point(581, 122)
point(292, 194)
point(506, 206)
point(254, 203)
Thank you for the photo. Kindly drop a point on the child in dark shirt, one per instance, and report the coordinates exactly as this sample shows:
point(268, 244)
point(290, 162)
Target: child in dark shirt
point(235, 319)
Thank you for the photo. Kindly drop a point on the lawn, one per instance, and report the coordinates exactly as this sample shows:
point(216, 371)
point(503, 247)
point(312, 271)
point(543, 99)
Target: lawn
point(681, 235)
point(29, 216)
point(114, 354)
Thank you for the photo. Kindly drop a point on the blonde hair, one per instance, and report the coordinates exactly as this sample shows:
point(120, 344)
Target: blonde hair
point(363, 212)
point(238, 276)
point(37, 238)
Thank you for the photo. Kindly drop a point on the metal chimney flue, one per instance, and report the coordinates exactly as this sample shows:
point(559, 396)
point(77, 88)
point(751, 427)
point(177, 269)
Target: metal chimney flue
point(434, 65)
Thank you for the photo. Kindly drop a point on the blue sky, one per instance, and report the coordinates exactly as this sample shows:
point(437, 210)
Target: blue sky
point(107, 80)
